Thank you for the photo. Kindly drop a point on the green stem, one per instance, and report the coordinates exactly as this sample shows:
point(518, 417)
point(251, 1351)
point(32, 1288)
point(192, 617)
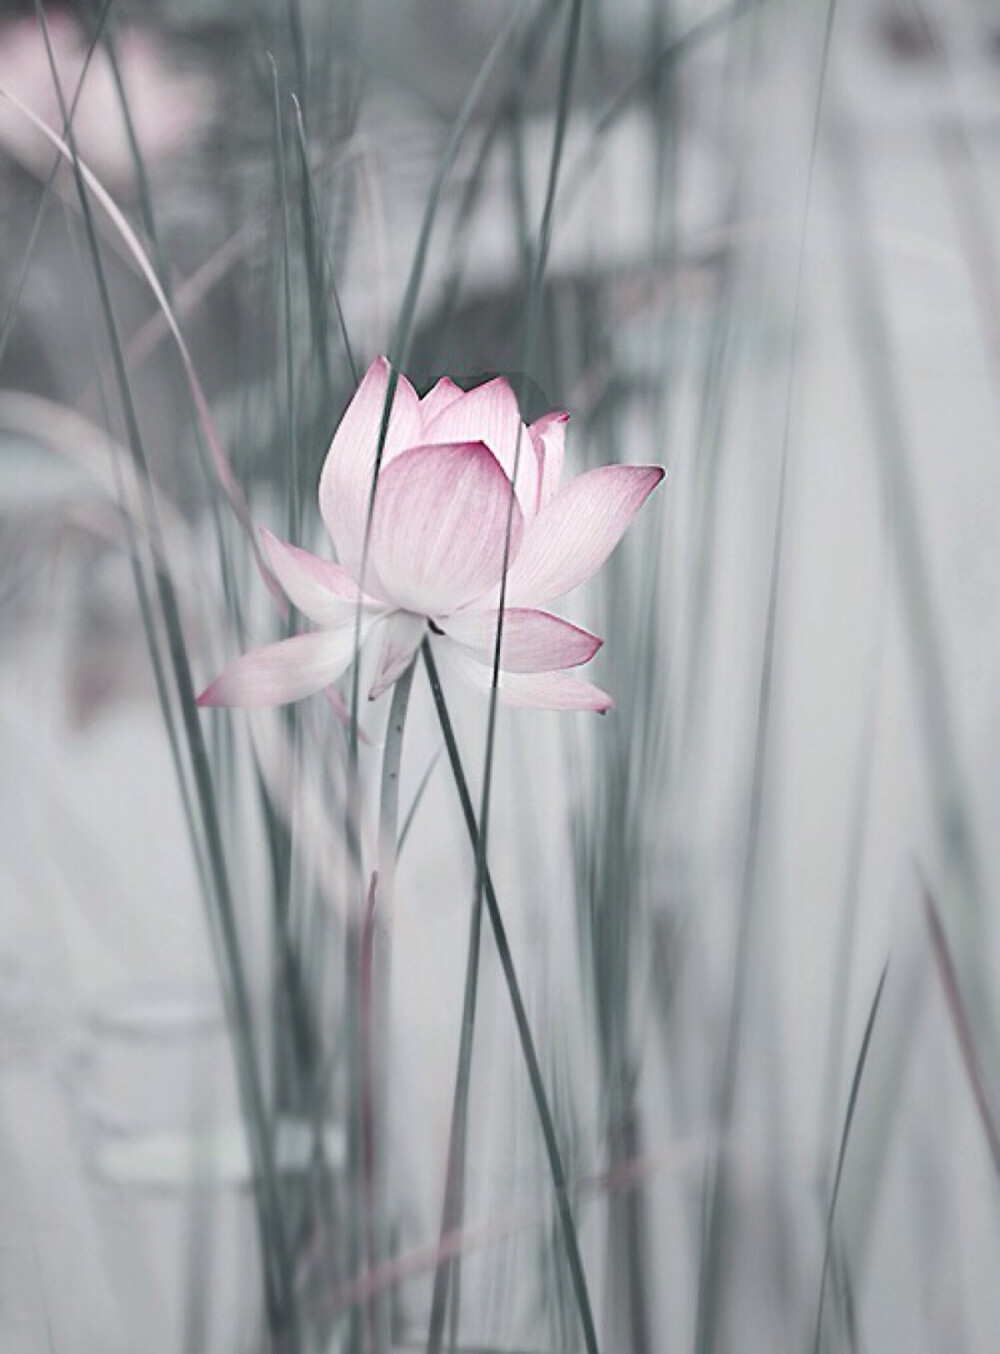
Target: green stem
point(454, 1191)
point(556, 1168)
point(377, 984)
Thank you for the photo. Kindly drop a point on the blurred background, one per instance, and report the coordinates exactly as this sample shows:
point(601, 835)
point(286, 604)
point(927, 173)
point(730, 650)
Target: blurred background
point(751, 910)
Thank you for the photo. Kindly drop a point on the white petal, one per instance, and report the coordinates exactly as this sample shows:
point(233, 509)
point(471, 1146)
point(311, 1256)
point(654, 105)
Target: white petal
point(533, 641)
point(322, 590)
point(403, 633)
point(577, 530)
point(346, 480)
point(283, 672)
point(540, 690)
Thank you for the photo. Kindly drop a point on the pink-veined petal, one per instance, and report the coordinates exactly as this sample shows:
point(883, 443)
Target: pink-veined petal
point(440, 525)
point(533, 641)
point(283, 672)
point(322, 590)
point(548, 434)
point(346, 480)
point(403, 633)
point(574, 534)
point(437, 400)
point(540, 690)
point(489, 414)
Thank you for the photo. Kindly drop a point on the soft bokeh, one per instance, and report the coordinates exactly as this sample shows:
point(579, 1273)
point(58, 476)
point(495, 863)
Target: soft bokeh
point(751, 911)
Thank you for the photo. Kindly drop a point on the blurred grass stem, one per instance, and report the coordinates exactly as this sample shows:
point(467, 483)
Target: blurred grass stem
point(400, 349)
point(852, 1101)
point(453, 1210)
point(379, 1038)
point(43, 200)
point(279, 1287)
point(711, 1281)
point(527, 1042)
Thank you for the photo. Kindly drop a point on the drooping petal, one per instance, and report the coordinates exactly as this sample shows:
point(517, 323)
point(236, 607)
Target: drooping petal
point(283, 672)
point(403, 633)
point(577, 530)
point(541, 690)
point(322, 590)
point(533, 641)
point(440, 525)
point(548, 434)
point(489, 414)
point(437, 400)
point(346, 479)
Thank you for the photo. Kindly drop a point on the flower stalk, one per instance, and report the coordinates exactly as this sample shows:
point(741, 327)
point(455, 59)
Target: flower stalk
point(557, 1169)
point(449, 517)
point(376, 988)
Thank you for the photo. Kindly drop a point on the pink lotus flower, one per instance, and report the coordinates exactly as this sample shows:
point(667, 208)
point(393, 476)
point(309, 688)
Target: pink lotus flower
point(436, 550)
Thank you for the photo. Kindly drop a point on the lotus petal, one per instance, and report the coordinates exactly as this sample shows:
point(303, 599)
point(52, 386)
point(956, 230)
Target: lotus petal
point(542, 690)
point(322, 590)
point(346, 480)
point(548, 434)
point(437, 400)
point(576, 531)
point(403, 633)
point(489, 414)
point(440, 527)
point(283, 672)
point(533, 641)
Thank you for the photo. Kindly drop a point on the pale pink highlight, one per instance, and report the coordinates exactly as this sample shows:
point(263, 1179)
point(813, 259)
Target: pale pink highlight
point(443, 522)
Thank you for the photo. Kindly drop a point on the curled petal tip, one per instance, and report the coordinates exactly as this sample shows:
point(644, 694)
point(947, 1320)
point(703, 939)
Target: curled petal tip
point(545, 421)
point(576, 530)
point(599, 702)
point(647, 475)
